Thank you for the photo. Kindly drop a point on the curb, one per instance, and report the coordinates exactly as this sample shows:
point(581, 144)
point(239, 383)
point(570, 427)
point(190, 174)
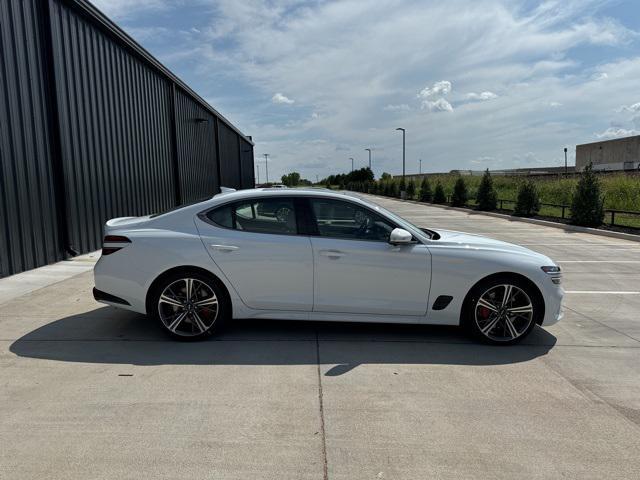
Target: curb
point(535, 221)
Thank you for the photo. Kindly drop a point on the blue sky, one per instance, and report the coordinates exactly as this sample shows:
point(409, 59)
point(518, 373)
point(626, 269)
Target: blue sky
point(476, 83)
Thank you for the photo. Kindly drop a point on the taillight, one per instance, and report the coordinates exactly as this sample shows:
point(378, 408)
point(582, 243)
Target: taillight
point(110, 244)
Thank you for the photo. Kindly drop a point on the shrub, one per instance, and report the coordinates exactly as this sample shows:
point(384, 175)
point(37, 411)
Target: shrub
point(460, 194)
point(438, 194)
point(528, 203)
point(393, 189)
point(425, 191)
point(373, 188)
point(403, 185)
point(411, 189)
point(587, 203)
point(487, 198)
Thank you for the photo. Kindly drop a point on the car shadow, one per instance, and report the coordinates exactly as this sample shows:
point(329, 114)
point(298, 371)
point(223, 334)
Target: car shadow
point(111, 336)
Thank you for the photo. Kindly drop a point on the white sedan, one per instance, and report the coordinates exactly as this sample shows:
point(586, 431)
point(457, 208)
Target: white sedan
point(319, 255)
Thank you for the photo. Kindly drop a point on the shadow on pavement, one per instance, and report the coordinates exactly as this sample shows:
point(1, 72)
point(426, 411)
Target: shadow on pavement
point(111, 336)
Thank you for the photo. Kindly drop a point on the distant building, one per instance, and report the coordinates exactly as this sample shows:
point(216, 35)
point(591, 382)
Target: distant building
point(618, 154)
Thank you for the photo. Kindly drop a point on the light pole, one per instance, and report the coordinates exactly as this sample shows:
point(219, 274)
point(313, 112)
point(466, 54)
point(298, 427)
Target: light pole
point(266, 166)
point(420, 170)
point(351, 163)
point(369, 150)
point(258, 173)
point(402, 193)
point(565, 161)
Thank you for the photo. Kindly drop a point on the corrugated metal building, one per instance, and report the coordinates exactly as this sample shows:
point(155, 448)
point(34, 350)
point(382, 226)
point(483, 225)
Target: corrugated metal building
point(93, 127)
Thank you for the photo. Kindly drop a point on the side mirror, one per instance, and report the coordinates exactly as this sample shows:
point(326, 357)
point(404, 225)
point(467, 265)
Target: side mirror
point(399, 236)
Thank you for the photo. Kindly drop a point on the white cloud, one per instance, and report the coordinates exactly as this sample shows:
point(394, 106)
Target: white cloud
point(439, 105)
point(440, 88)
point(616, 132)
point(630, 108)
point(315, 115)
point(403, 107)
point(600, 76)
point(124, 9)
point(555, 104)
point(482, 96)
point(280, 98)
point(432, 98)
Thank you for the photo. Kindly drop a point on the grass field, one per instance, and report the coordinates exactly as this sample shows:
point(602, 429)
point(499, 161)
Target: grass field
point(621, 192)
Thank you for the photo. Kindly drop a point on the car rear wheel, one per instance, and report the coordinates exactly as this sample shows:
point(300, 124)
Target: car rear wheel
point(189, 306)
point(503, 311)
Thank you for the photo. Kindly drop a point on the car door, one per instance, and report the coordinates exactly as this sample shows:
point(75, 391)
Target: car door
point(356, 270)
point(255, 243)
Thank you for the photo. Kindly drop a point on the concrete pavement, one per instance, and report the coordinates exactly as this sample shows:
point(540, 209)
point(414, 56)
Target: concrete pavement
point(92, 392)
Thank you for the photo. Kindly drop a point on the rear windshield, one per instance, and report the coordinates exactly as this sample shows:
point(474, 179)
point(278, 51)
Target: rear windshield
point(178, 207)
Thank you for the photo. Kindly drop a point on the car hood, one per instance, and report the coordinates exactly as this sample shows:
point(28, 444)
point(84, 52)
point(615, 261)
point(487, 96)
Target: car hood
point(479, 242)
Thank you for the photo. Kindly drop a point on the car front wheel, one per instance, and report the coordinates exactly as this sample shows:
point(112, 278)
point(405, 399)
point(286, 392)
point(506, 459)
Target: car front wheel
point(503, 311)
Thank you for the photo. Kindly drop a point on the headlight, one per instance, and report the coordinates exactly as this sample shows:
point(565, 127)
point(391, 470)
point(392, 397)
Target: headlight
point(551, 270)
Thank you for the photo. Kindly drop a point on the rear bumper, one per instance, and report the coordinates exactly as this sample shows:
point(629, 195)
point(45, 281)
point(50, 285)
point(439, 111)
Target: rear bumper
point(105, 297)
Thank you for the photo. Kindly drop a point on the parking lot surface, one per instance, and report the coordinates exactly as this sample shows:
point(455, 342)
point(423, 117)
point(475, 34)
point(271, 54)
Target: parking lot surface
point(89, 391)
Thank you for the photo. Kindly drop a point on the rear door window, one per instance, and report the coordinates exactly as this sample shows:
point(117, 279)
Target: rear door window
point(269, 215)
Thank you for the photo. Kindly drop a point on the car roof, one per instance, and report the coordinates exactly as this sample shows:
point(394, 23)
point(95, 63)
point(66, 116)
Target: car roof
point(281, 192)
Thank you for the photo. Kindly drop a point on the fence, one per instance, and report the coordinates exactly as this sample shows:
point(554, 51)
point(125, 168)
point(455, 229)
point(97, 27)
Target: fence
point(613, 217)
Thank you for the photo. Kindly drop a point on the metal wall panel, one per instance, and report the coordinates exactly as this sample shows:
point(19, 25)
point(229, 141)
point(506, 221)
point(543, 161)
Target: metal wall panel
point(196, 149)
point(116, 130)
point(28, 231)
point(229, 157)
point(93, 127)
point(247, 168)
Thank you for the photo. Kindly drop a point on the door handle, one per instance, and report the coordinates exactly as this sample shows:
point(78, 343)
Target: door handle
point(225, 248)
point(332, 253)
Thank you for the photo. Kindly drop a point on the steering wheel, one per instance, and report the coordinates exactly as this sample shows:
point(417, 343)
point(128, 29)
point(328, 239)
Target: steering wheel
point(364, 226)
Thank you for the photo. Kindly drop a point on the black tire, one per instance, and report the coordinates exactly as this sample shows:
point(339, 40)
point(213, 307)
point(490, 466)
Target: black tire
point(200, 316)
point(476, 320)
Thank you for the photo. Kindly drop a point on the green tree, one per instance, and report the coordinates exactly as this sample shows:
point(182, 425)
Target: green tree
point(403, 185)
point(393, 189)
point(587, 203)
point(528, 202)
point(291, 179)
point(385, 176)
point(438, 194)
point(425, 191)
point(460, 194)
point(487, 198)
point(411, 189)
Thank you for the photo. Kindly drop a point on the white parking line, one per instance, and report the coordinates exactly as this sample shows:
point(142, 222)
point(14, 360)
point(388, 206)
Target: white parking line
point(584, 244)
point(608, 292)
point(598, 261)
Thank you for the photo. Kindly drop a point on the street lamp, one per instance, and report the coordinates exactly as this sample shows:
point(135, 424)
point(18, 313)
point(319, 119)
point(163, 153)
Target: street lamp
point(351, 163)
point(565, 161)
point(402, 193)
point(369, 150)
point(420, 170)
point(258, 173)
point(266, 166)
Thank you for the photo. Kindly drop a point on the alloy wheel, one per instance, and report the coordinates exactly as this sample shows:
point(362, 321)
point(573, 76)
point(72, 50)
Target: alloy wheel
point(188, 307)
point(503, 313)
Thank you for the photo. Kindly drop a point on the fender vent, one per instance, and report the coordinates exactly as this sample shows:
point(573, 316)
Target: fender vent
point(442, 302)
